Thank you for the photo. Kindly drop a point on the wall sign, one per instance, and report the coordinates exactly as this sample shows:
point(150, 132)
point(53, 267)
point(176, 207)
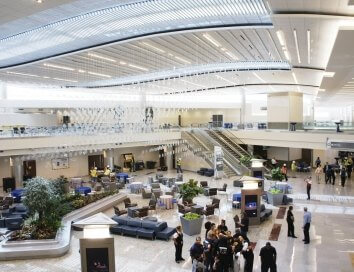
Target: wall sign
point(60, 163)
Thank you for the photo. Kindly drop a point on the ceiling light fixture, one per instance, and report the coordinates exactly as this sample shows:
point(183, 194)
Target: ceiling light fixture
point(328, 74)
point(21, 74)
point(182, 59)
point(153, 47)
point(81, 71)
point(297, 46)
point(231, 55)
point(295, 79)
point(281, 38)
point(58, 67)
point(122, 62)
point(101, 57)
point(98, 74)
point(321, 90)
point(220, 77)
point(287, 56)
point(212, 40)
point(308, 46)
point(62, 79)
point(138, 67)
point(39, 1)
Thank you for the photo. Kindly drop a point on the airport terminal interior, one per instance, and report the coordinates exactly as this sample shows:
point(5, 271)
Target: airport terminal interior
point(164, 135)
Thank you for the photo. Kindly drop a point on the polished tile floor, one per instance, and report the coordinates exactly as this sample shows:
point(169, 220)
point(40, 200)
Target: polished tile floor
point(331, 247)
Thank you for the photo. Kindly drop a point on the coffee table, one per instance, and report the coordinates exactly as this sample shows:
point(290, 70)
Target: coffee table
point(150, 218)
point(197, 209)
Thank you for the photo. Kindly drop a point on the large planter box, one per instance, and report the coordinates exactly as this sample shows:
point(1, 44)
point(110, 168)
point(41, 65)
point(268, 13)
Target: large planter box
point(275, 199)
point(192, 227)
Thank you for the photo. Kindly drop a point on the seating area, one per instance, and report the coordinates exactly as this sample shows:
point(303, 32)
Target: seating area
point(141, 228)
point(265, 213)
point(208, 172)
point(12, 218)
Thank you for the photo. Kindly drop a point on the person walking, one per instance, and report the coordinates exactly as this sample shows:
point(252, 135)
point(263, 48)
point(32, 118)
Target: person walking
point(343, 175)
point(333, 175)
point(318, 172)
point(290, 220)
point(268, 256)
point(318, 161)
point(328, 174)
point(274, 162)
point(325, 172)
point(179, 166)
point(293, 167)
point(178, 241)
point(284, 171)
point(308, 181)
point(306, 226)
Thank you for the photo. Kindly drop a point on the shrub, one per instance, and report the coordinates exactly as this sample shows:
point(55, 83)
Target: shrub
point(277, 174)
point(190, 190)
point(191, 216)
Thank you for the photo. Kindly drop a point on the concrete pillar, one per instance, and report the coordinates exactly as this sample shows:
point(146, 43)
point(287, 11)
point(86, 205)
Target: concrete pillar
point(284, 108)
point(250, 149)
point(109, 158)
point(17, 171)
point(243, 106)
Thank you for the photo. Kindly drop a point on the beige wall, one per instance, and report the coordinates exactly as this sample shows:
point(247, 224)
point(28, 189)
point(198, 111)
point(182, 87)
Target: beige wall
point(279, 153)
point(203, 116)
point(5, 170)
point(193, 163)
point(296, 111)
point(138, 154)
point(28, 119)
point(285, 107)
point(78, 166)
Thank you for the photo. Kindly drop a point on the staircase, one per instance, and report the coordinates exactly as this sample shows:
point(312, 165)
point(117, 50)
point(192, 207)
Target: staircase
point(201, 147)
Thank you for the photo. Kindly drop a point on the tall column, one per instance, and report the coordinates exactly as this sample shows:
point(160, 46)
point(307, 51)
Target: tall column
point(17, 171)
point(243, 106)
point(109, 158)
point(283, 109)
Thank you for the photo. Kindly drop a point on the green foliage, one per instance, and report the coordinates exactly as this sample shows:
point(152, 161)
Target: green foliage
point(189, 190)
point(191, 216)
point(277, 174)
point(274, 191)
point(60, 185)
point(47, 205)
point(246, 160)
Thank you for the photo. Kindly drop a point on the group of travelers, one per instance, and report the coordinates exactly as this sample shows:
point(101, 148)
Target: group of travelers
point(222, 251)
point(343, 169)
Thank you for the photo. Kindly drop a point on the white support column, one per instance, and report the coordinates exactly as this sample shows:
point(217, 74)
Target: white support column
point(109, 158)
point(243, 106)
point(17, 171)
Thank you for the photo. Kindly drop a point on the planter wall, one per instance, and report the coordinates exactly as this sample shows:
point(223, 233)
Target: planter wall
point(191, 227)
point(275, 199)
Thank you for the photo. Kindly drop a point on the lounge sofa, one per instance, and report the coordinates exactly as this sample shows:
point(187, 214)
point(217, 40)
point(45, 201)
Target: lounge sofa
point(14, 222)
point(265, 213)
point(141, 228)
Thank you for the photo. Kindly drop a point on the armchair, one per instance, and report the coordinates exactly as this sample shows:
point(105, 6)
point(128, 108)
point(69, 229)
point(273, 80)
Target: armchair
point(209, 210)
point(119, 212)
point(152, 205)
point(155, 185)
point(223, 189)
point(183, 209)
point(146, 193)
point(128, 203)
point(210, 191)
point(216, 203)
point(144, 211)
point(203, 184)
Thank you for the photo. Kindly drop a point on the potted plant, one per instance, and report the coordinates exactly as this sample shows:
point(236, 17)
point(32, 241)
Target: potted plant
point(277, 175)
point(191, 223)
point(275, 197)
point(190, 190)
point(61, 185)
point(246, 160)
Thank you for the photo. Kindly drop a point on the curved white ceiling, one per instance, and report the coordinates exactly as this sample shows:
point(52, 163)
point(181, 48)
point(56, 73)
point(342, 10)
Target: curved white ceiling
point(124, 21)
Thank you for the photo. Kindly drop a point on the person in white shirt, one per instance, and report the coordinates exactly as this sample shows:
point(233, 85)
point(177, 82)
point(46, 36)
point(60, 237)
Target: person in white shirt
point(274, 162)
point(306, 226)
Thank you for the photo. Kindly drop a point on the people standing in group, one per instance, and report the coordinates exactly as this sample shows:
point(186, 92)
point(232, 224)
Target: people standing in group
point(327, 172)
point(208, 246)
point(343, 175)
point(308, 181)
point(249, 258)
point(318, 162)
point(222, 226)
point(268, 256)
point(244, 224)
point(318, 172)
point(290, 220)
point(333, 175)
point(284, 171)
point(306, 226)
point(178, 241)
point(179, 165)
point(196, 253)
point(349, 167)
point(274, 162)
point(223, 249)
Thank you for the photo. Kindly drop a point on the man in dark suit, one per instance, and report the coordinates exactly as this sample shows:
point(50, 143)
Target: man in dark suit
point(268, 256)
point(290, 220)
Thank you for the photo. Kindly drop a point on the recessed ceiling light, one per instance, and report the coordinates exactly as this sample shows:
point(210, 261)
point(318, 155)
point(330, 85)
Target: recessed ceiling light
point(182, 59)
point(281, 37)
point(321, 90)
point(39, 1)
point(81, 71)
point(211, 39)
point(329, 74)
point(287, 56)
point(62, 79)
point(122, 62)
point(98, 74)
point(101, 57)
point(294, 77)
point(231, 55)
point(153, 47)
point(297, 46)
point(21, 74)
point(138, 67)
point(308, 46)
point(59, 67)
